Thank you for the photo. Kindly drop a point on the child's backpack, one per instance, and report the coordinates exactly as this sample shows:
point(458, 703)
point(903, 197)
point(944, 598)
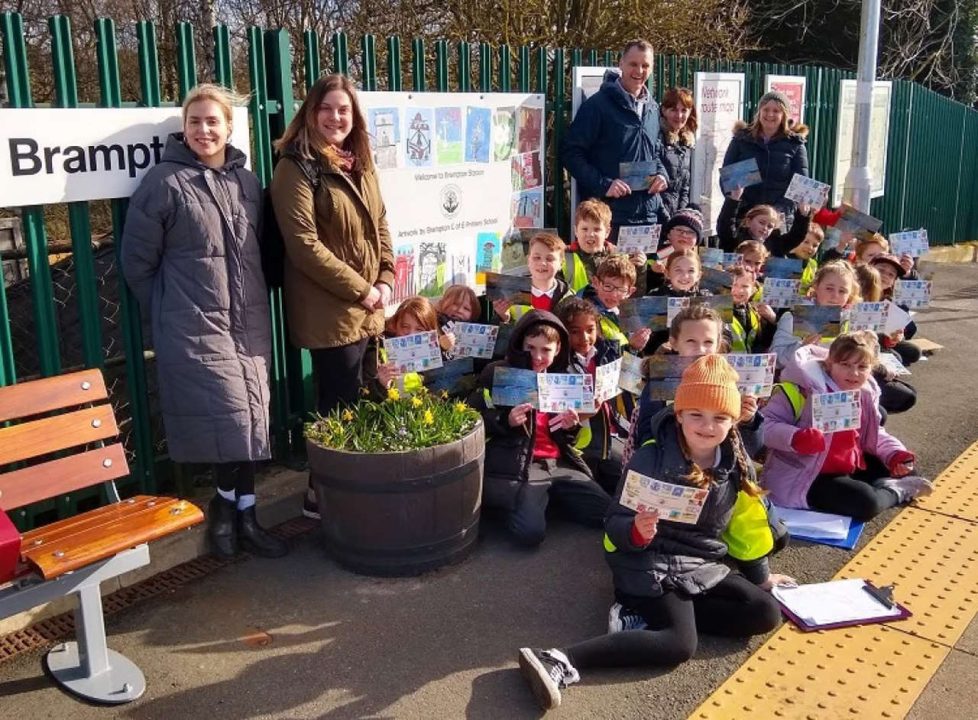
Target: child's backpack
point(271, 243)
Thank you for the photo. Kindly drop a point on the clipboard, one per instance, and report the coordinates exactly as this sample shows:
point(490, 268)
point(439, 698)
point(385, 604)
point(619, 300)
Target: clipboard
point(857, 590)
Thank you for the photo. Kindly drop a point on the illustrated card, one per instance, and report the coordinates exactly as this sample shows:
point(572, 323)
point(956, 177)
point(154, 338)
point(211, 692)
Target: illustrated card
point(631, 379)
point(816, 320)
point(912, 242)
point(731, 259)
point(892, 363)
point(836, 411)
point(450, 377)
point(512, 256)
point(487, 255)
point(660, 367)
point(473, 340)
point(808, 191)
point(711, 257)
point(565, 391)
point(913, 294)
point(641, 312)
point(858, 223)
point(514, 386)
point(739, 175)
point(756, 373)
point(788, 268)
point(722, 304)
point(638, 238)
point(414, 353)
point(677, 503)
point(664, 390)
point(869, 316)
point(606, 381)
point(781, 292)
point(514, 288)
point(716, 281)
point(637, 175)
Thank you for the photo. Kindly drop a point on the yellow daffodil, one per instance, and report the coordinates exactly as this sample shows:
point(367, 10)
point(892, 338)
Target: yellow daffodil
point(444, 394)
point(347, 416)
point(416, 402)
point(460, 407)
point(393, 395)
point(429, 417)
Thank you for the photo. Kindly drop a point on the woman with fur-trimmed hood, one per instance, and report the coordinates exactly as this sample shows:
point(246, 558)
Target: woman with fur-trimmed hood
point(779, 150)
point(678, 135)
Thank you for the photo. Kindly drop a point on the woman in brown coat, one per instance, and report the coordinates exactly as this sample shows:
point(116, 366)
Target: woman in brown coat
point(339, 267)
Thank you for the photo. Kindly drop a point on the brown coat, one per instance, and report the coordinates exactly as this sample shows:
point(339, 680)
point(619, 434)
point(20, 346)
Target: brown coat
point(337, 247)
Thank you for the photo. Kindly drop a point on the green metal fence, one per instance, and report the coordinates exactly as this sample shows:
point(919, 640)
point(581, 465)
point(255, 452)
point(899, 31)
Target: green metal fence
point(931, 178)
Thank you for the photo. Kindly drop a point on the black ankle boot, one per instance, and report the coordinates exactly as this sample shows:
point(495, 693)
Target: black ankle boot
point(255, 539)
point(222, 531)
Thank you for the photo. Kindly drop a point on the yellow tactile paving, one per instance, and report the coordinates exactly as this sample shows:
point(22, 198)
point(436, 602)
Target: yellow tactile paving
point(932, 561)
point(956, 488)
point(861, 672)
point(930, 554)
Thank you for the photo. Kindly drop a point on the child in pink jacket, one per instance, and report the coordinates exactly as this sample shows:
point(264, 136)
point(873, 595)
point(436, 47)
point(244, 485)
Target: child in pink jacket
point(859, 472)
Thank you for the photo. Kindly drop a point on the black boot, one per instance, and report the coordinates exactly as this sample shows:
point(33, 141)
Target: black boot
point(255, 539)
point(222, 531)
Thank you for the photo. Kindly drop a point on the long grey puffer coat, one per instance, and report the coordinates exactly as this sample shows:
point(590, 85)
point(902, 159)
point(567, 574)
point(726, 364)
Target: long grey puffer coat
point(190, 254)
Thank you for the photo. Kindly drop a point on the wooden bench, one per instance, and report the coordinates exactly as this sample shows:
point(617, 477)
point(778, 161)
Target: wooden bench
point(63, 425)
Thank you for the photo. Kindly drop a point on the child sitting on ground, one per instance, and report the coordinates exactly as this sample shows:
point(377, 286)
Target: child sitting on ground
point(612, 283)
point(683, 272)
point(859, 473)
point(414, 315)
point(458, 303)
point(592, 227)
point(806, 251)
point(544, 258)
point(890, 270)
point(530, 455)
point(597, 439)
point(753, 324)
point(761, 223)
point(670, 579)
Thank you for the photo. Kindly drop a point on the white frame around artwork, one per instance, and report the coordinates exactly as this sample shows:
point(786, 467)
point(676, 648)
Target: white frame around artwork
point(839, 170)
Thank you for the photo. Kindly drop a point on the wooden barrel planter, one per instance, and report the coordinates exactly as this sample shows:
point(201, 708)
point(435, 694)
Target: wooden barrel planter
point(400, 513)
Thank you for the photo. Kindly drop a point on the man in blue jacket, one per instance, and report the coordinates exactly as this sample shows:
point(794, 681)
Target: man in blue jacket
point(619, 123)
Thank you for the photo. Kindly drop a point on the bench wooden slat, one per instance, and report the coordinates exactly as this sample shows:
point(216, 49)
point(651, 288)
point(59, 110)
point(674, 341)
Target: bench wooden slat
point(61, 476)
point(76, 542)
point(58, 432)
point(52, 393)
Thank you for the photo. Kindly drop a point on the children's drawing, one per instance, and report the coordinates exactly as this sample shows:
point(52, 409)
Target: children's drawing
point(513, 254)
point(431, 269)
point(461, 264)
point(421, 124)
point(403, 272)
point(527, 208)
point(478, 134)
point(530, 132)
point(385, 130)
point(487, 253)
point(503, 133)
point(526, 171)
point(448, 131)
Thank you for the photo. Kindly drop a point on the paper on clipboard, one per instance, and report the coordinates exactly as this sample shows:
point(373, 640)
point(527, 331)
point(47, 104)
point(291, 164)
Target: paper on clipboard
point(837, 602)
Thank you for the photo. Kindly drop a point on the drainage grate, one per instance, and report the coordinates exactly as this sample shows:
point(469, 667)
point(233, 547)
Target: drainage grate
point(54, 629)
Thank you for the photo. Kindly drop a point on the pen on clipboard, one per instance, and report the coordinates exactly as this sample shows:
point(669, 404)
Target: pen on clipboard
point(883, 595)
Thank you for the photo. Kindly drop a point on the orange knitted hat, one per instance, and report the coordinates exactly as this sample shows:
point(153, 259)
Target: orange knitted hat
point(709, 384)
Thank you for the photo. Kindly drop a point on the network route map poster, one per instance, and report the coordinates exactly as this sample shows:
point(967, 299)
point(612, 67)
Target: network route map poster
point(457, 171)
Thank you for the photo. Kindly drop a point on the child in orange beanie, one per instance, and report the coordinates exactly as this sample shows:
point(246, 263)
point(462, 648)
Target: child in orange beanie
point(670, 579)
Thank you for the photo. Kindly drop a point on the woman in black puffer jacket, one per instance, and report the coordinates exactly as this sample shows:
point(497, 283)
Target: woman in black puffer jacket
point(678, 135)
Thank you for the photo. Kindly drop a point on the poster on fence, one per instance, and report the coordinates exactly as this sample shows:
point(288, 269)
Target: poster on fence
point(793, 87)
point(458, 172)
point(719, 99)
point(879, 132)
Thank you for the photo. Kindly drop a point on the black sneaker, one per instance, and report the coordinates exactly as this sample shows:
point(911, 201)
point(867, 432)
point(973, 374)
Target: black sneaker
point(621, 618)
point(547, 671)
point(310, 507)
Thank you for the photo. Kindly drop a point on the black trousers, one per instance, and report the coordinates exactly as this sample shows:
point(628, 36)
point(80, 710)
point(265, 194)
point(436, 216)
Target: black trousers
point(858, 495)
point(236, 477)
point(735, 607)
point(339, 375)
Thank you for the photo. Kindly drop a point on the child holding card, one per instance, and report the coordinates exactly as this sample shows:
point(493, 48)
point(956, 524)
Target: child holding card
point(414, 315)
point(753, 324)
point(683, 271)
point(546, 253)
point(458, 303)
point(860, 471)
point(613, 282)
point(597, 439)
point(592, 227)
point(890, 270)
point(684, 231)
point(806, 251)
point(761, 223)
point(670, 579)
point(530, 455)
point(834, 286)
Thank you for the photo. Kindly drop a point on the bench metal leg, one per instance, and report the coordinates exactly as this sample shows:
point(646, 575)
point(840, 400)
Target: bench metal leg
point(88, 668)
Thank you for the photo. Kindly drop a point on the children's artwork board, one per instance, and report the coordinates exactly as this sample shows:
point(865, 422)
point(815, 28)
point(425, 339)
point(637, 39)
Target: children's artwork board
point(514, 386)
point(637, 175)
point(414, 353)
point(913, 294)
point(911, 242)
point(676, 503)
point(638, 238)
point(473, 340)
point(755, 373)
point(781, 292)
point(644, 312)
point(631, 379)
point(836, 411)
point(558, 392)
point(807, 191)
point(740, 175)
point(835, 604)
point(822, 320)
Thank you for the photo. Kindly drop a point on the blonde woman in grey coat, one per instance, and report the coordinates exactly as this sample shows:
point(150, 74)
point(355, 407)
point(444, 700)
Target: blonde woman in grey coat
point(190, 254)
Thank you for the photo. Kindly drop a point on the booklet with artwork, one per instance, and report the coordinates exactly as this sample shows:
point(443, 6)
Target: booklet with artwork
point(637, 175)
point(838, 603)
point(631, 379)
point(514, 288)
point(677, 503)
point(565, 391)
point(913, 294)
point(788, 268)
point(473, 340)
point(756, 373)
point(858, 223)
point(723, 304)
point(606, 379)
point(716, 281)
point(664, 373)
point(781, 292)
point(711, 257)
point(912, 242)
point(641, 312)
point(807, 191)
point(414, 353)
point(821, 320)
point(638, 238)
point(892, 363)
point(514, 386)
point(740, 175)
point(869, 316)
point(835, 411)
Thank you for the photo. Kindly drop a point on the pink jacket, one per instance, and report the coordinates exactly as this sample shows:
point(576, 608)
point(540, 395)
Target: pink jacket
point(788, 475)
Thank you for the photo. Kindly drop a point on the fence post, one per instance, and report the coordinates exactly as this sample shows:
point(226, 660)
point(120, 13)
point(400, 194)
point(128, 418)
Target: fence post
point(223, 69)
point(186, 60)
point(417, 65)
point(485, 67)
point(441, 66)
point(560, 108)
point(464, 67)
point(66, 94)
point(394, 80)
point(369, 69)
point(132, 332)
point(12, 28)
point(505, 73)
point(341, 54)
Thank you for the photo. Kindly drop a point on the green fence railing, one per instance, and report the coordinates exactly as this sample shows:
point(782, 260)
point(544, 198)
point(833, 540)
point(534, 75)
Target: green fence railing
point(931, 181)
